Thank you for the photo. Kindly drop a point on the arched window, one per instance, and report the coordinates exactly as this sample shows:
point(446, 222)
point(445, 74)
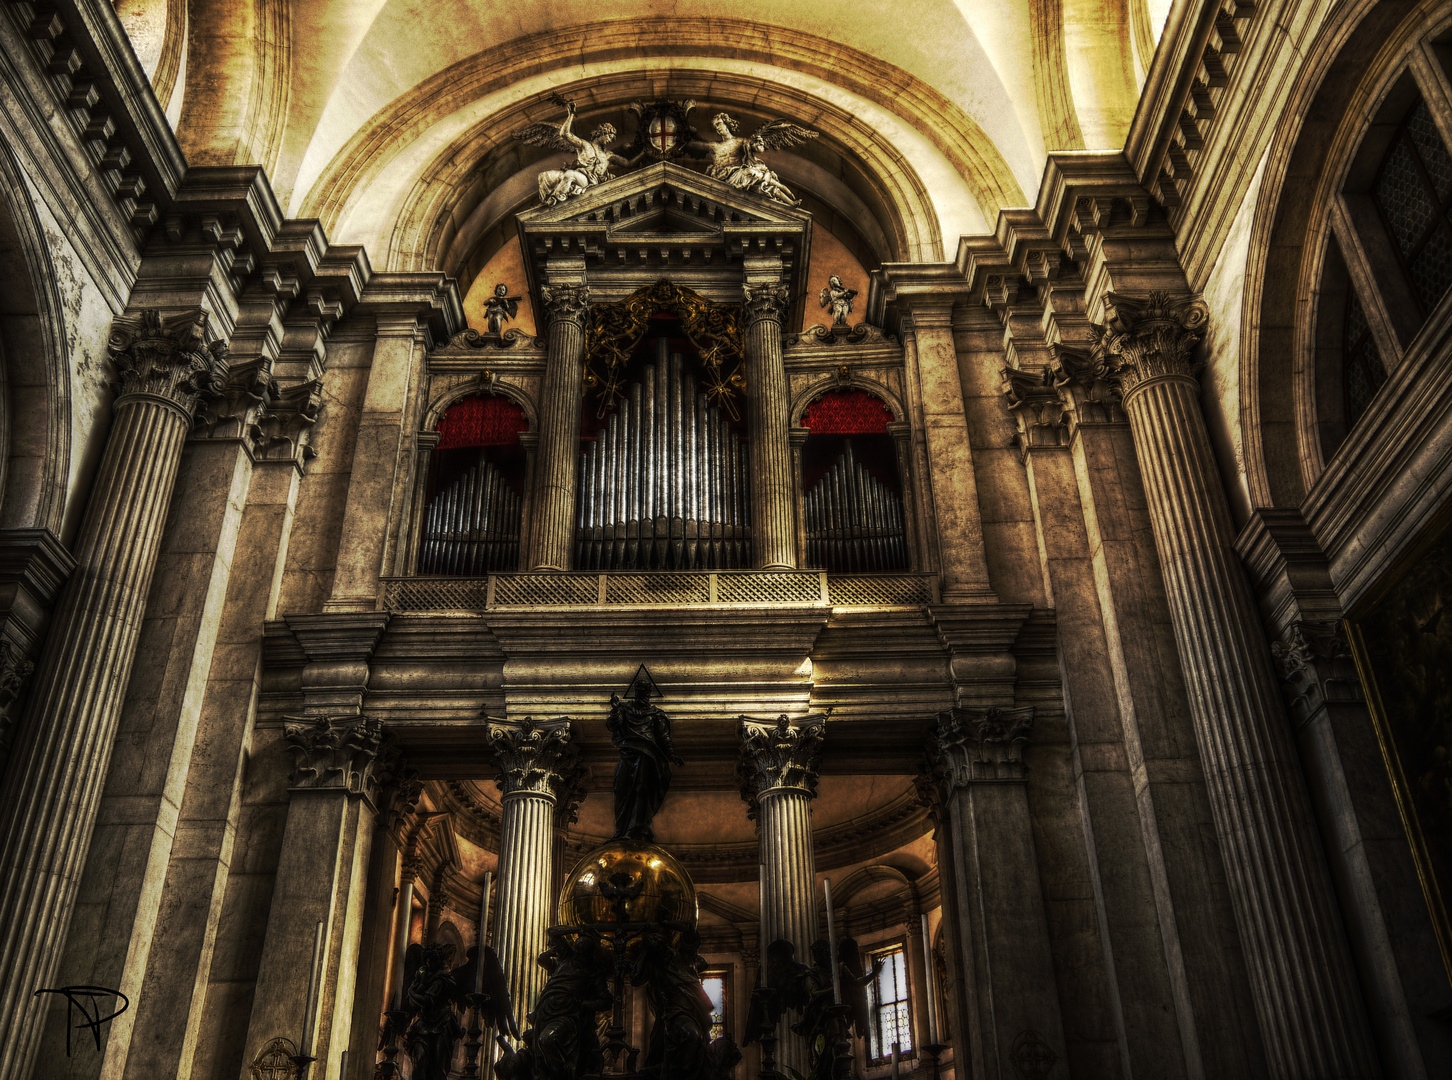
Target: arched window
point(475, 489)
point(852, 494)
point(1413, 193)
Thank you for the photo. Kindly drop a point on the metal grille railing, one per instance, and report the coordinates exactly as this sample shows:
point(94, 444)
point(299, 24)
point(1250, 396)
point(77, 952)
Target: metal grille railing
point(659, 589)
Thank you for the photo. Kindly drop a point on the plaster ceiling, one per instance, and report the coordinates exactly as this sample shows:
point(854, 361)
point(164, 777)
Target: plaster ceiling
point(360, 109)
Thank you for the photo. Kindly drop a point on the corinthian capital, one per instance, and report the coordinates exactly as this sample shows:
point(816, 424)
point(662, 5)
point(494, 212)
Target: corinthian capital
point(1149, 337)
point(537, 758)
point(346, 754)
point(779, 756)
point(565, 302)
point(978, 746)
point(1036, 407)
point(167, 358)
point(766, 302)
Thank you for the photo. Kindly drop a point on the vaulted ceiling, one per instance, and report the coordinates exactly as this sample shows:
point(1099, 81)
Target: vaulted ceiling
point(390, 119)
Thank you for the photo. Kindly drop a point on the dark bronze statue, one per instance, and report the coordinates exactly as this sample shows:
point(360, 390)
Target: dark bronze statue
point(565, 1040)
point(680, 1046)
point(433, 991)
point(642, 733)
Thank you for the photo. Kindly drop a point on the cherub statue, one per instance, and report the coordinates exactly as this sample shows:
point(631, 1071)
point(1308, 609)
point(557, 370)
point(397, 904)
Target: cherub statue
point(838, 298)
point(593, 159)
point(500, 308)
point(734, 160)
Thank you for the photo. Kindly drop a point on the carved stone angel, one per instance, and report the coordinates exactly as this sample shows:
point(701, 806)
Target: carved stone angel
point(593, 158)
point(500, 308)
point(733, 158)
point(838, 298)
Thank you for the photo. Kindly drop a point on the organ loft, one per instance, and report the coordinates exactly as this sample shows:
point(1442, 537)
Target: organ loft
point(768, 542)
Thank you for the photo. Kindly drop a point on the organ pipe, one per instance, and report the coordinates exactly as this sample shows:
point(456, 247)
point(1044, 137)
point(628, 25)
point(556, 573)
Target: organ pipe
point(662, 486)
point(471, 526)
point(854, 520)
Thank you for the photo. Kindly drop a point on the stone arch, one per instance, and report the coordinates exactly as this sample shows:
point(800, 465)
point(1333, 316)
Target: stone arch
point(867, 876)
point(1358, 53)
point(35, 404)
point(852, 382)
point(440, 404)
point(956, 136)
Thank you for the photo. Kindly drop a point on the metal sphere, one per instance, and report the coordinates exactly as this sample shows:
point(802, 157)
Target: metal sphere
point(640, 881)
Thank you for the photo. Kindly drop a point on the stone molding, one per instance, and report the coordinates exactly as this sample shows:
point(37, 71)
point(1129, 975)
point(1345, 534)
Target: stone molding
point(768, 301)
point(1314, 661)
point(346, 754)
point(1148, 338)
point(780, 756)
point(539, 759)
point(1036, 407)
point(970, 746)
point(565, 302)
point(15, 670)
point(1087, 397)
point(167, 358)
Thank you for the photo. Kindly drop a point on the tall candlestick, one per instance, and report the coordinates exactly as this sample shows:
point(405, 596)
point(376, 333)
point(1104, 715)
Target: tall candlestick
point(832, 944)
point(483, 932)
point(405, 917)
point(930, 978)
point(896, 1059)
point(307, 1039)
point(761, 932)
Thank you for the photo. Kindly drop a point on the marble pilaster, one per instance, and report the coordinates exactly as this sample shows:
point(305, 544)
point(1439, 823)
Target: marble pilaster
point(539, 771)
point(1302, 979)
point(976, 779)
point(340, 767)
point(773, 509)
point(952, 484)
point(552, 511)
point(778, 774)
point(55, 774)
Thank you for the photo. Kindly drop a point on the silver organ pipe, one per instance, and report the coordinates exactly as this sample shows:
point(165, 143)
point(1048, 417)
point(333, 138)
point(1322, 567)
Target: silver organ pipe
point(663, 485)
point(471, 526)
point(854, 521)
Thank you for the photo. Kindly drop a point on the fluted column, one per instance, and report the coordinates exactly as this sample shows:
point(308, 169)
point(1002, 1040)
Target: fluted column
point(993, 901)
point(778, 773)
point(54, 778)
point(773, 509)
point(1306, 993)
point(341, 765)
point(553, 512)
point(539, 771)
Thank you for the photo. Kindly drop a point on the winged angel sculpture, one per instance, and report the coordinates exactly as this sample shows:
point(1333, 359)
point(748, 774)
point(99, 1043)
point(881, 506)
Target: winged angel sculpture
point(593, 157)
point(733, 158)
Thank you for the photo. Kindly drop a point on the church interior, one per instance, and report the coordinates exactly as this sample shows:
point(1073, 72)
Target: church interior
point(557, 541)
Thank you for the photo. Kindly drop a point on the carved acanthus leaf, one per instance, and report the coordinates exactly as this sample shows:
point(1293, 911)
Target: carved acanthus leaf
point(975, 745)
point(766, 302)
point(779, 755)
point(538, 758)
point(1149, 337)
point(167, 357)
point(346, 754)
point(565, 302)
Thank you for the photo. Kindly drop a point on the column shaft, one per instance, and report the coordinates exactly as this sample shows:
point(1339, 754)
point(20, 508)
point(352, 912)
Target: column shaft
point(778, 772)
point(1306, 992)
point(1309, 1003)
point(54, 780)
point(773, 510)
point(526, 903)
point(556, 466)
point(539, 775)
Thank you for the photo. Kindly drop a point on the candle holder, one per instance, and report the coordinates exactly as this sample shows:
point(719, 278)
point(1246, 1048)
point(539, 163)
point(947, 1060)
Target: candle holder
point(389, 1068)
point(934, 1050)
point(302, 1064)
point(472, 1043)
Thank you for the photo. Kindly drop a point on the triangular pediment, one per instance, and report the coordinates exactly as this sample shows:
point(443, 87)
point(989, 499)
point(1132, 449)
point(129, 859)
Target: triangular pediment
point(663, 198)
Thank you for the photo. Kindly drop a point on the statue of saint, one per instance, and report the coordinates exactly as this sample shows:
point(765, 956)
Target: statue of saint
point(642, 733)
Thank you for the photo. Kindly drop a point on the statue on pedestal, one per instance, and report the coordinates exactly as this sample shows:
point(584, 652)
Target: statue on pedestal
point(642, 733)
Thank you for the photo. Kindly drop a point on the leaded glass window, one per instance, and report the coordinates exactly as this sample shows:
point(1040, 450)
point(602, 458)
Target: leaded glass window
point(887, 1000)
point(714, 983)
point(1413, 191)
point(1364, 370)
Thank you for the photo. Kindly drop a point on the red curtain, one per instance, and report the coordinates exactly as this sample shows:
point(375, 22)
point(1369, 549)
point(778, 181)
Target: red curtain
point(481, 420)
point(847, 412)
